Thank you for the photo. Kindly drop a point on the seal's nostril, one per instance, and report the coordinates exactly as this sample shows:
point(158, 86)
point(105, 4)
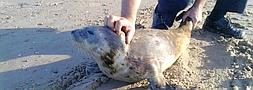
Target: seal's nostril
point(90, 32)
point(72, 32)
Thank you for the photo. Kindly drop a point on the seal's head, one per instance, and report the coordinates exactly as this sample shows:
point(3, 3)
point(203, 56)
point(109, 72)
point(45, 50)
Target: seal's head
point(97, 41)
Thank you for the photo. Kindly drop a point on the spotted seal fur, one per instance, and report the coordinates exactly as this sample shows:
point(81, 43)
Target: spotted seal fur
point(148, 55)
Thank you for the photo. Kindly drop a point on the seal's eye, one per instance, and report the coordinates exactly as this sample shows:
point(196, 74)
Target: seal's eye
point(90, 32)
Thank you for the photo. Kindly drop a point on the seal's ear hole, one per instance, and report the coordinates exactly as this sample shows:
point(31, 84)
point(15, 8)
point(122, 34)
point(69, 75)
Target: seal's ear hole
point(90, 32)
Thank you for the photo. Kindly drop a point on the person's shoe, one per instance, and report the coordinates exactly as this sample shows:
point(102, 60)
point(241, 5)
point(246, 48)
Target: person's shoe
point(224, 28)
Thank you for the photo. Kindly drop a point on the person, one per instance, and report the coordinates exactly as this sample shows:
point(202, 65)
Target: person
point(164, 15)
point(216, 22)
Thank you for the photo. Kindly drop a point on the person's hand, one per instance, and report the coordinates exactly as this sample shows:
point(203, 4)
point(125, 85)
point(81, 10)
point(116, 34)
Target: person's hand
point(195, 14)
point(121, 25)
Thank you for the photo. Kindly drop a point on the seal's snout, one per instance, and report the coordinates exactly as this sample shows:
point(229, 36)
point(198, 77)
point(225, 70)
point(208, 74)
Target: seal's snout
point(80, 35)
point(90, 32)
point(73, 33)
point(84, 35)
point(76, 35)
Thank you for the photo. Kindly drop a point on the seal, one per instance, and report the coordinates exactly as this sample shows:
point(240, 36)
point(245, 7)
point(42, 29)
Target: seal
point(149, 54)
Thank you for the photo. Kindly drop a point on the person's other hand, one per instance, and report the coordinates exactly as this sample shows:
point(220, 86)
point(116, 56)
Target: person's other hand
point(121, 25)
point(195, 14)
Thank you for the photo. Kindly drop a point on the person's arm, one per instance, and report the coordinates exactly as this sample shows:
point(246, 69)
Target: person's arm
point(125, 23)
point(129, 9)
point(199, 3)
point(195, 12)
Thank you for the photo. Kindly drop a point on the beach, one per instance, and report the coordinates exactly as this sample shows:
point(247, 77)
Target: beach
point(37, 50)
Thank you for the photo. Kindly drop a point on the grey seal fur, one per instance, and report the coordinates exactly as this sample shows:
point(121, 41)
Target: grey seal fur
point(148, 55)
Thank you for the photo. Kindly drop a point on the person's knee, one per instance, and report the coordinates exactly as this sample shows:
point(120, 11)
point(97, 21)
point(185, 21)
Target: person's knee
point(162, 20)
point(166, 11)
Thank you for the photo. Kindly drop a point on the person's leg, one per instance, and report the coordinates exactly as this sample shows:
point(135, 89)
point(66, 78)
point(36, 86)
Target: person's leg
point(166, 11)
point(217, 23)
point(223, 6)
point(218, 12)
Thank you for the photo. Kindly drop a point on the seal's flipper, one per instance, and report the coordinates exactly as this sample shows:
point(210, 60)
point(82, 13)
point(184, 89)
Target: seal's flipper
point(158, 83)
point(156, 78)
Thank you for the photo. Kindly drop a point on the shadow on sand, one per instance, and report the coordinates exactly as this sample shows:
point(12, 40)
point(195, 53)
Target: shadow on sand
point(30, 57)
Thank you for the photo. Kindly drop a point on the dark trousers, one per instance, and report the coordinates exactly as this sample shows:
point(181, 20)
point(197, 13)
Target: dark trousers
point(237, 6)
point(166, 10)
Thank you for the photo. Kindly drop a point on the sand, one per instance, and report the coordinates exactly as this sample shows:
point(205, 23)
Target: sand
point(36, 50)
